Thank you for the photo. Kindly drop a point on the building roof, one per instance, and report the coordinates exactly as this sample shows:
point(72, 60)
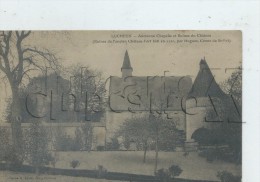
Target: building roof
point(205, 84)
point(126, 63)
point(137, 92)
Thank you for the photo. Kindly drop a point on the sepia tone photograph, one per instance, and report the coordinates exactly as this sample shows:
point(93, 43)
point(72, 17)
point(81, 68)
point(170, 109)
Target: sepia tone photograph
point(133, 106)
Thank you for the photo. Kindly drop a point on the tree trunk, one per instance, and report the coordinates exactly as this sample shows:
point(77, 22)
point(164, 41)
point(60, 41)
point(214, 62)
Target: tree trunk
point(16, 125)
point(156, 154)
point(145, 149)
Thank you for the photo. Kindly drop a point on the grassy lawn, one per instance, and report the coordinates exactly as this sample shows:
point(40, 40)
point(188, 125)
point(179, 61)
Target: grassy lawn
point(194, 167)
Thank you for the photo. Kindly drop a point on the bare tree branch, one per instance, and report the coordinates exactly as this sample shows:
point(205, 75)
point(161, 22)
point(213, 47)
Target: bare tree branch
point(2, 67)
point(31, 62)
point(22, 35)
point(5, 50)
point(25, 73)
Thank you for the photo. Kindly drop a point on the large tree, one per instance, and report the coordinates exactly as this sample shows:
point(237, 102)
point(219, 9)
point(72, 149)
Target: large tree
point(233, 85)
point(139, 130)
point(17, 61)
point(150, 129)
point(88, 89)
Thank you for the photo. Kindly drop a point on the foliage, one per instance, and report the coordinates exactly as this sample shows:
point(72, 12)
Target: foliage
point(74, 163)
point(168, 135)
point(209, 154)
point(225, 141)
point(36, 146)
point(34, 105)
point(225, 176)
point(64, 142)
point(175, 170)
point(229, 130)
point(8, 110)
point(4, 143)
point(100, 148)
point(7, 153)
point(149, 131)
point(202, 136)
point(165, 175)
point(68, 103)
point(88, 88)
point(224, 153)
point(53, 85)
point(113, 145)
point(233, 85)
point(138, 129)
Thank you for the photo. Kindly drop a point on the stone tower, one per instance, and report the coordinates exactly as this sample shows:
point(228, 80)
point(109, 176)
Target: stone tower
point(198, 102)
point(126, 68)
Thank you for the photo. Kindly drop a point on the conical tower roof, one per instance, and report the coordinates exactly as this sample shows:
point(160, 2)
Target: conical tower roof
point(205, 84)
point(126, 63)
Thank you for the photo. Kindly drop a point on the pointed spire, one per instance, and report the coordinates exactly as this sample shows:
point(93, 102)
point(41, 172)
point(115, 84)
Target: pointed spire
point(126, 63)
point(203, 61)
point(126, 68)
point(203, 64)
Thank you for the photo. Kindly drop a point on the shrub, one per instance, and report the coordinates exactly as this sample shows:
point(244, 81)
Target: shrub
point(225, 176)
point(126, 143)
point(223, 153)
point(175, 170)
point(64, 142)
point(209, 154)
point(4, 143)
point(101, 171)
point(165, 175)
point(11, 157)
point(113, 145)
point(100, 148)
point(36, 146)
point(74, 164)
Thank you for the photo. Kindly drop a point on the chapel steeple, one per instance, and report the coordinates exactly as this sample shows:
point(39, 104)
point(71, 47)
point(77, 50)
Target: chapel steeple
point(126, 68)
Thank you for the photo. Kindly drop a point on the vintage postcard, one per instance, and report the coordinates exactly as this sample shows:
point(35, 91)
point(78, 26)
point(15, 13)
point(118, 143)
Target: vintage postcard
point(121, 106)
